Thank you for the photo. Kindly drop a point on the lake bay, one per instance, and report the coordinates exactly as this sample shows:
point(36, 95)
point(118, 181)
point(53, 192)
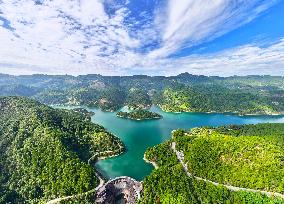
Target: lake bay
point(139, 135)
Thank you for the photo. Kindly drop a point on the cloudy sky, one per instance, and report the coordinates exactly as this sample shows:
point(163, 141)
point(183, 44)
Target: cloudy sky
point(155, 37)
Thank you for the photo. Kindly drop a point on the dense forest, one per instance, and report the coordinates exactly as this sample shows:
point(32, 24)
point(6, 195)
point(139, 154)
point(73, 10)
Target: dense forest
point(44, 152)
point(185, 92)
point(139, 115)
point(85, 112)
point(249, 156)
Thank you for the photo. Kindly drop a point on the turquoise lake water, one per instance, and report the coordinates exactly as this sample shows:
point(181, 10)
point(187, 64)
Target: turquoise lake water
point(139, 135)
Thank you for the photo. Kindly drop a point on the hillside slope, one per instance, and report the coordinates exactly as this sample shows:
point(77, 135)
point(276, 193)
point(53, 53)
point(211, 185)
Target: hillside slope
point(44, 152)
point(218, 164)
point(184, 92)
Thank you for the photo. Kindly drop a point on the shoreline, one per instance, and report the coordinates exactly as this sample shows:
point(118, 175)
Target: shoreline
point(224, 112)
point(175, 112)
point(99, 175)
point(108, 157)
point(138, 119)
point(150, 162)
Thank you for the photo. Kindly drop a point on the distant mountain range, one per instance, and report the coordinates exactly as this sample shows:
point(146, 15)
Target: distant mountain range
point(182, 93)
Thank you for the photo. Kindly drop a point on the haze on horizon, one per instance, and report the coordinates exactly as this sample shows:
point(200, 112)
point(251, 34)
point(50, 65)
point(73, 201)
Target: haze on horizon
point(153, 37)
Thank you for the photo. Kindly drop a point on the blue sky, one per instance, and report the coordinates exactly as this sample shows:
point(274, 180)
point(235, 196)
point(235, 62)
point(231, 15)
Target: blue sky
point(155, 37)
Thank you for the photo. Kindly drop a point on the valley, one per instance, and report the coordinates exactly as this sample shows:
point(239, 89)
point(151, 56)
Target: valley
point(141, 102)
point(122, 126)
point(242, 95)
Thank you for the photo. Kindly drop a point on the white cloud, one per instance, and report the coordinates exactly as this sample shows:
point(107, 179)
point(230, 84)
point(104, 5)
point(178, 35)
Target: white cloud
point(192, 22)
point(63, 34)
point(79, 37)
point(244, 60)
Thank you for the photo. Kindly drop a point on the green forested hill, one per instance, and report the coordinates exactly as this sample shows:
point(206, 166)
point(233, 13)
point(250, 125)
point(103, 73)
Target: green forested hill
point(247, 156)
point(185, 92)
point(44, 152)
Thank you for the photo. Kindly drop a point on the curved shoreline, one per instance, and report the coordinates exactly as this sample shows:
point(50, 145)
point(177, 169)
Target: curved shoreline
point(150, 162)
point(139, 119)
point(97, 173)
point(223, 112)
point(175, 112)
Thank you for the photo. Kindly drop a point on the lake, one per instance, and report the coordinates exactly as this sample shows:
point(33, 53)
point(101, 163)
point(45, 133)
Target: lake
point(139, 135)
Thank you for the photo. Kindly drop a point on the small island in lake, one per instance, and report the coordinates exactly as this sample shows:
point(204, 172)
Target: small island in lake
point(139, 115)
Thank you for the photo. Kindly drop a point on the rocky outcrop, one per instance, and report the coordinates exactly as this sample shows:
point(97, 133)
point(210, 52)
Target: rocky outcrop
point(126, 186)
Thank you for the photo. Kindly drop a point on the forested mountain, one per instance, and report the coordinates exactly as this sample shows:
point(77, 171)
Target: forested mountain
point(44, 152)
point(185, 92)
point(247, 156)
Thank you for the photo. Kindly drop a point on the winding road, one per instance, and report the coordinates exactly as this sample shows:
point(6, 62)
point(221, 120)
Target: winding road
point(180, 157)
point(56, 200)
point(102, 182)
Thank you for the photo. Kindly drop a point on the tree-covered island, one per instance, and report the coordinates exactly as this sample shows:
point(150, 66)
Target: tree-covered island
point(139, 115)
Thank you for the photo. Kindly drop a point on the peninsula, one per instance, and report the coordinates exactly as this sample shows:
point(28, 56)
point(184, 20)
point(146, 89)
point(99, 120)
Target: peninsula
point(229, 164)
point(45, 152)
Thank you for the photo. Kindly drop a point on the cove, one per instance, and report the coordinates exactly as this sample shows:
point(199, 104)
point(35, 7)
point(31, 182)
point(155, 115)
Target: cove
point(139, 135)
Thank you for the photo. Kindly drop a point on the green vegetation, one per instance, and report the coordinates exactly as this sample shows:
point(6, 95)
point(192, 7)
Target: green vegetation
point(139, 115)
point(87, 198)
point(220, 98)
point(85, 112)
point(111, 99)
point(162, 154)
point(44, 152)
point(182, 93)
point(171, 185)
point(216, 98)
point(249, 156)
point(138, 99)
point(175, 101)
point(245, 161)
